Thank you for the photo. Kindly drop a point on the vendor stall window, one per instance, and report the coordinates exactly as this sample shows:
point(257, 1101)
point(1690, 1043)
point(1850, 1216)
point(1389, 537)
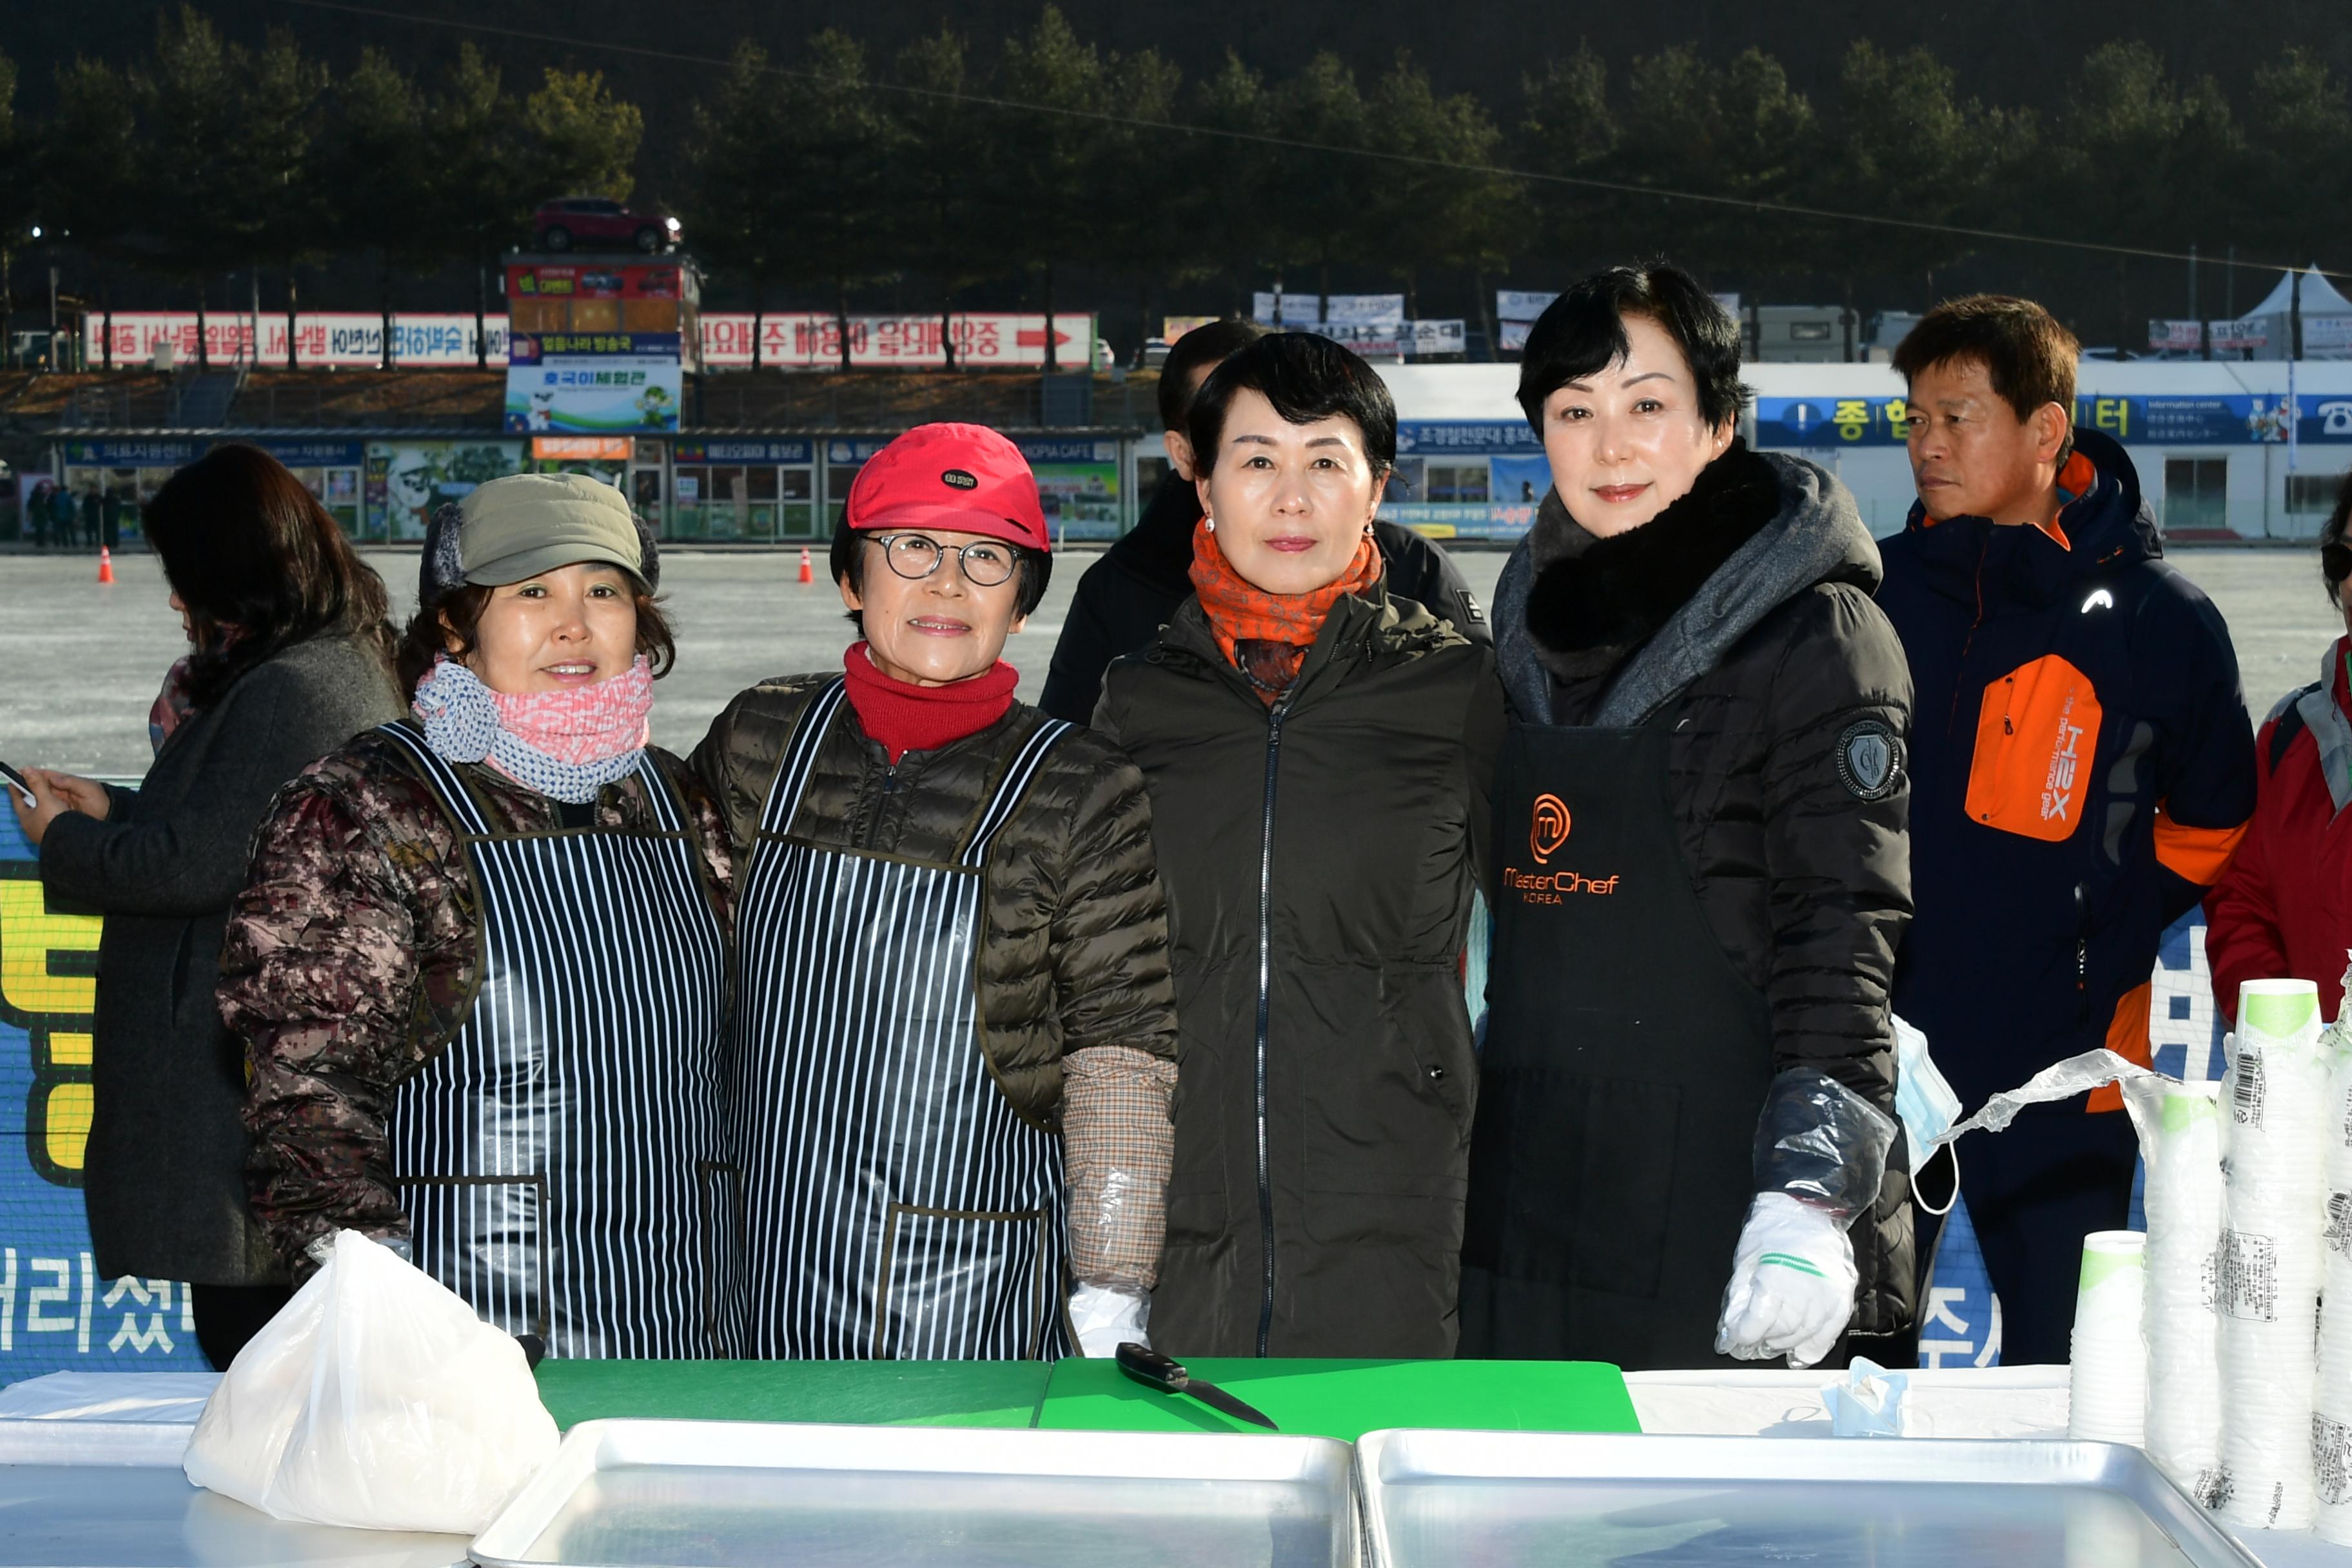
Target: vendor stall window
point(645, 492)
point(1149, 472)
point(796, 499)
point(2309, 495)
point(686, 517)
point(723, 503)
point(1458, 484)
point(2196, 493)
point(759, 502)
point(838, 477)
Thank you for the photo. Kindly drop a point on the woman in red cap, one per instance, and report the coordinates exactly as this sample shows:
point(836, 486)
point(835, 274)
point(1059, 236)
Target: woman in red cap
point(955, 1030)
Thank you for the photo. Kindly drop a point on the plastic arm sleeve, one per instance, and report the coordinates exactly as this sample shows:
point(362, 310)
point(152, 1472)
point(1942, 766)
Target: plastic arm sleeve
point(1119, 1146)
point(1822, 1143)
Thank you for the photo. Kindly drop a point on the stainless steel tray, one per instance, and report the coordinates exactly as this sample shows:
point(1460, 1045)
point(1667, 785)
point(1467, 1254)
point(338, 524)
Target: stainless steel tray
point(1501, 1498)
point(713, 1494)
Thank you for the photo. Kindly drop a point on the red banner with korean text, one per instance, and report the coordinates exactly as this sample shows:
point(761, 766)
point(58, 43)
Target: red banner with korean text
point(812, 341)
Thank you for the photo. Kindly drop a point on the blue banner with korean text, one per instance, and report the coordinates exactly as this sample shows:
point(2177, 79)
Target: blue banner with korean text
point(56, 1313)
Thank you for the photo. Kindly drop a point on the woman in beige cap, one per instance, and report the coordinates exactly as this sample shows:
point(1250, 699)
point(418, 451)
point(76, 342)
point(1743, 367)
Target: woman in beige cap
point(480, 963)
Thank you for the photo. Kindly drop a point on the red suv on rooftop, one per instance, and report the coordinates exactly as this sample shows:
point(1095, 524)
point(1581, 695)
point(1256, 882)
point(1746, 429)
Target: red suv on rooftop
point(599, 222)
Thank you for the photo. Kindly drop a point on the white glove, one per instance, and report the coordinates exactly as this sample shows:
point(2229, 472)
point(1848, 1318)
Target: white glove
point(1105, 1318)
point(1792, 1283)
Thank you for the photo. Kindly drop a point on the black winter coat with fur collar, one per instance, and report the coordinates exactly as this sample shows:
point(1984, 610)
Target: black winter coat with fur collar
point(1751, 599)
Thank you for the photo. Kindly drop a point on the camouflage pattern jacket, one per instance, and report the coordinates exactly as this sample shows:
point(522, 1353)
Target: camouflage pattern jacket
point(351, 958)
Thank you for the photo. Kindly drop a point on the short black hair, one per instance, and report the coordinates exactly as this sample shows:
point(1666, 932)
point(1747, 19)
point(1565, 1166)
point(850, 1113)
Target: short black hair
point(1582, 332)
point(1203, 348)
point(2028, 356)
point(2333, 565)
point(1034, 570)
point(1307, 377)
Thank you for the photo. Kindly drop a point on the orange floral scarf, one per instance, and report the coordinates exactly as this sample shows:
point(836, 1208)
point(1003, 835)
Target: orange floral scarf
point(1266, 635)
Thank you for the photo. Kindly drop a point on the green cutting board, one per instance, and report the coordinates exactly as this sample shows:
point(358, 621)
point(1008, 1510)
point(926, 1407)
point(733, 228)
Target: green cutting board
point(862, 1393)
point(1346, 1399)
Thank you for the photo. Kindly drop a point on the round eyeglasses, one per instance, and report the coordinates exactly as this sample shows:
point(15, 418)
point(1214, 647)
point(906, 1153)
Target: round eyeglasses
point(985, 563)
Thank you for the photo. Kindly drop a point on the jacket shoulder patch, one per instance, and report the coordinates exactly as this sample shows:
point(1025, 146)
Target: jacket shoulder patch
point(1870, 759)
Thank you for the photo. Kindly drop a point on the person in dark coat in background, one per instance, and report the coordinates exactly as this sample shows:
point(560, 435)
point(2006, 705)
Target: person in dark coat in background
point(1318, 749)
point(61, 516)
point(110, 521)
point(2283, 907)
point(1125, 598)
point(291, 655)
point(1684, 1146)
point(92, 516)
point(2084, 769)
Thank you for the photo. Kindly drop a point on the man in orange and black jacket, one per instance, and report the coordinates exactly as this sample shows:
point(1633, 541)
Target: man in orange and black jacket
point(2082, 768)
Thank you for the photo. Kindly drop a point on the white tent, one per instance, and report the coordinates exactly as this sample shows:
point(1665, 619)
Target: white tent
point(2319, 297)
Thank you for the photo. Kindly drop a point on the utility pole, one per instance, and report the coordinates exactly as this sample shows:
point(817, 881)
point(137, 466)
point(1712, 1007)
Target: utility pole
point(2295, 317)
point(2294, 353)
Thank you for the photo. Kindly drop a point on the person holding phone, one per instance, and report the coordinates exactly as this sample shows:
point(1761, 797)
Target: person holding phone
point(288, 655)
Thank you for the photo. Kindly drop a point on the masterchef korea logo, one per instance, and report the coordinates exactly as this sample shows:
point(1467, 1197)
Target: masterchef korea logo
point(1547, 829)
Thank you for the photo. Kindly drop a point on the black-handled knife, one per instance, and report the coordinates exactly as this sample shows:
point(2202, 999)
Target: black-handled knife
point(1165, 1372)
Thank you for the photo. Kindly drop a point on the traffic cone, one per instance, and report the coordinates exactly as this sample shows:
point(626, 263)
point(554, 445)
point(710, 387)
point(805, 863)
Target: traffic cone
point(808, 567)
point(105, 565)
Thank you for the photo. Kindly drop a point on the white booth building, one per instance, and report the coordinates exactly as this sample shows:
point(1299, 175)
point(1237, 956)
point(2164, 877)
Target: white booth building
point(2220, 452)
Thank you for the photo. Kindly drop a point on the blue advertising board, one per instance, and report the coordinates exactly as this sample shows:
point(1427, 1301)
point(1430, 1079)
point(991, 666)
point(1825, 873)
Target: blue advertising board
point(315, 454)
point(2231, 419)
point(147, 454)
point(800, 451)
point(1432, 438)
point(593, 384)
point(57, 1314)
point(1815, 422)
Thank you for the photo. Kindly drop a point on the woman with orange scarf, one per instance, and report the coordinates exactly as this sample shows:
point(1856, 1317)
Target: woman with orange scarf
point(1319, 755)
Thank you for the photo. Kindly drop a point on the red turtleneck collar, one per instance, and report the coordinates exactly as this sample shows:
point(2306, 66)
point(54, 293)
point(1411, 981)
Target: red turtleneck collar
point(905, 717)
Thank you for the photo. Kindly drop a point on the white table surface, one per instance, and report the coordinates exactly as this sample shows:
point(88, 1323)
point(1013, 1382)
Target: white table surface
point(68, 1440)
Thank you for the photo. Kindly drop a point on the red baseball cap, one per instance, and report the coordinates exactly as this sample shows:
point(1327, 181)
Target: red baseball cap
point(964, 478)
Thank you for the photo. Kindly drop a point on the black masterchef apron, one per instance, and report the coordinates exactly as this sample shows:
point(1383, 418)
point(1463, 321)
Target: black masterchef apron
point(1625, 1064)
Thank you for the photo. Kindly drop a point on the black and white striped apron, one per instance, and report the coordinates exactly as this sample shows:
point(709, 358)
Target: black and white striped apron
point(561, 1160)
point(896, 1206)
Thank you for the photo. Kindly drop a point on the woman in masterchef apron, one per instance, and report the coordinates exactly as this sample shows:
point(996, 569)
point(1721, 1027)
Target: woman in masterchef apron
point(1682, 1129)
point(955, 1036)
point(479, 965)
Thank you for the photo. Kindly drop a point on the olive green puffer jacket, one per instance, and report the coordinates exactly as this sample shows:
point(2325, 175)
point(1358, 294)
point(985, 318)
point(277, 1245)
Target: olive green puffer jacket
point(1074, 953)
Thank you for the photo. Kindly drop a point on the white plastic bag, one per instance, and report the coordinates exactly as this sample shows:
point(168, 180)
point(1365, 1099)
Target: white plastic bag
point(376, 1399)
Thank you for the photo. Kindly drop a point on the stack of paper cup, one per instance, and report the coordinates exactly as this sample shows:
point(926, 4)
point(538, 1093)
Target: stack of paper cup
point(2268, 1273)
point(2109, 1381)
point(2180, 1142)
point(2331, 1421)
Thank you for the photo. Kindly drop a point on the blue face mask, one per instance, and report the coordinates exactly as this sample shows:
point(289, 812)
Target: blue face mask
point(1922, 1099)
